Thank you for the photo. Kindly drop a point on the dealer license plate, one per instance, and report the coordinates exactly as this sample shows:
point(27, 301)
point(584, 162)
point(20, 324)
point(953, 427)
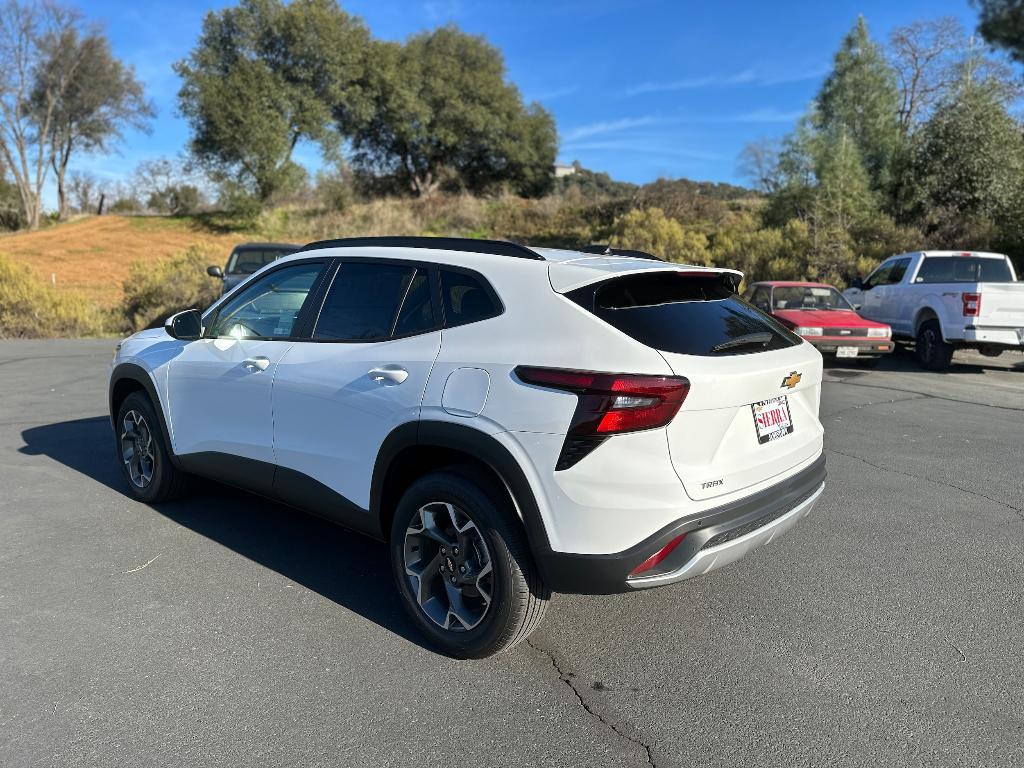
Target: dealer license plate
point(772, 419)
point(846, 351)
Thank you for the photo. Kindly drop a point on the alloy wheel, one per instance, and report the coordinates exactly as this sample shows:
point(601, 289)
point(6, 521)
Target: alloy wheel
point(448, 566)
point(137, 449)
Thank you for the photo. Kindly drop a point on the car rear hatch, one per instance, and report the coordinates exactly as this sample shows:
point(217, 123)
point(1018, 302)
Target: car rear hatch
point(751, 414)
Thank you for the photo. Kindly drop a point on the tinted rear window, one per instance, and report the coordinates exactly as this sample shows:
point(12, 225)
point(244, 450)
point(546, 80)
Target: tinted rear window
point(467, 298)
point(963, 269)
point(363, 302)
point(684, 314)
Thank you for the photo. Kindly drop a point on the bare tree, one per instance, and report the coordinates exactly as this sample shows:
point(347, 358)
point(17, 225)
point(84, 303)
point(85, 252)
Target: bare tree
point(84, 191)
point(30, 33)
point(759, 162)
point(931, 58)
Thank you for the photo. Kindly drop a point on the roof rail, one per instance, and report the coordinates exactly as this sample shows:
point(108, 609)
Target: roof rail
point(607, 250)
point(468, 244)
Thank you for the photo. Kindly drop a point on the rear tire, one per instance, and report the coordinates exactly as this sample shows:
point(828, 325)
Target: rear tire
point(463, 567)
point(932, 352)
point(141, 450)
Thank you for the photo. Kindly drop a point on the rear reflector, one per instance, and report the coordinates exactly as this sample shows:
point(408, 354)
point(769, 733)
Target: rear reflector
point(609, 404)
point(658, 556)
point(972, 304)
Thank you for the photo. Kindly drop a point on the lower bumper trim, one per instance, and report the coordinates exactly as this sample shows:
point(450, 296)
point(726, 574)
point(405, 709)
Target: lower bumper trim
point(731, 547)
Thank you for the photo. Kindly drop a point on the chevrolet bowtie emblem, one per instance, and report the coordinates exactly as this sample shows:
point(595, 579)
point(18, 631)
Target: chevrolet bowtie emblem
point(791, 381)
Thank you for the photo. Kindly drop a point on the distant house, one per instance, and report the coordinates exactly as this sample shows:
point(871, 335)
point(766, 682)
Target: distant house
point(564, 170)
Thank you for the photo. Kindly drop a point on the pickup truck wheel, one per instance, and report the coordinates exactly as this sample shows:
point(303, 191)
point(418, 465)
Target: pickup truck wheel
point(932, 352)
point(152, 477)
point(463, 567)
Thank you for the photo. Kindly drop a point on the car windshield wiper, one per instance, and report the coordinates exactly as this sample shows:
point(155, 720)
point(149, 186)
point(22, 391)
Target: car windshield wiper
point(747, 340)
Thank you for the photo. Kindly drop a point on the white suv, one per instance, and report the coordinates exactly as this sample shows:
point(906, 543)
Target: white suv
point(513, 420)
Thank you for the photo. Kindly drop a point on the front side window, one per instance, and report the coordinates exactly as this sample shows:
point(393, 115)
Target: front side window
point(370, 301)
point(899, 269)
point(880, 276)
point(269, 308)
point(466, 298)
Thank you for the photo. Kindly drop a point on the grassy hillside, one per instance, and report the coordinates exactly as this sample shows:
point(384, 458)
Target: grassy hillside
point(92, 256)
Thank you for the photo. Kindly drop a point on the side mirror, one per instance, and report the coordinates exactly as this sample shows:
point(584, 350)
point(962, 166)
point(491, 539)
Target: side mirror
point(187, 325)
point(215, 271)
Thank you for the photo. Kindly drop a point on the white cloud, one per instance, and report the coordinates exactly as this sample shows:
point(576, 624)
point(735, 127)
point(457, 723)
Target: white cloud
point(611, 126)
point(751, 76)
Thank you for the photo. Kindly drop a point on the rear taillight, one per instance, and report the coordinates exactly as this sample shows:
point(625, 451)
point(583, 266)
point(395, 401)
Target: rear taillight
point(609, 404)
point(972, 304)
point(658, 556)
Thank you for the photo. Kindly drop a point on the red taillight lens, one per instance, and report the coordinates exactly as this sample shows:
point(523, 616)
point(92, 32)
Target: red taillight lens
point(658, 556)
point(972, 304)
point(608, 404)
point(612, 403)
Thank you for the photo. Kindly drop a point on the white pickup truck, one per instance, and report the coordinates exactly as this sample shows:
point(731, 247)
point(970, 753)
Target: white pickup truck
point(945, 300)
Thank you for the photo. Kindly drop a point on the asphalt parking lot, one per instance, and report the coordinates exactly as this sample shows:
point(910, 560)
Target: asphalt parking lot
point(225, 630)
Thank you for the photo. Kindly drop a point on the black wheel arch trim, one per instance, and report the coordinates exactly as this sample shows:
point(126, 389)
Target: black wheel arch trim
point(481, 446)
point(136, 373)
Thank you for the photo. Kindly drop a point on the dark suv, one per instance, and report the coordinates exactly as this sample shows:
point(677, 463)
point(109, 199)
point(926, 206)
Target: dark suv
point(248, 258)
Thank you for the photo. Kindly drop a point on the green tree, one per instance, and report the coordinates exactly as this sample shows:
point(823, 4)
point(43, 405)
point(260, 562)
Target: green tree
point(266, 75)
point(445, 116)
point(860, 96)
point(1002, 25)
point(969, 166)
point(94, 97)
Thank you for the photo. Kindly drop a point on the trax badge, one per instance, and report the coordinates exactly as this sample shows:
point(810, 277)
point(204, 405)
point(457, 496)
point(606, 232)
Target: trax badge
point(791, 381)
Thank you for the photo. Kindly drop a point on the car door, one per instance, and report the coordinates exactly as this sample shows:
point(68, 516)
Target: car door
point(219, 387)
point(870, 300)
point(361, 374)
point(889, 295)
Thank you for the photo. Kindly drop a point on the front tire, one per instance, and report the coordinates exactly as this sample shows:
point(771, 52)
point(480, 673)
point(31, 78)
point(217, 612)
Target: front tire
point(142, 452)
point(932, 352)
point(463, 567)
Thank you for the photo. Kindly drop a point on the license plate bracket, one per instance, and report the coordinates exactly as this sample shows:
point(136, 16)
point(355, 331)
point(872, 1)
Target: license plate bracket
point(772, 419)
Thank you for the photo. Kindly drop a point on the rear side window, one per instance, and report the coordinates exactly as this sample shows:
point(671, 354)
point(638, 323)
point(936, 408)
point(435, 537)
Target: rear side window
point(684, 314)
point(467, 298)
point(963, 269)
point(364, 300)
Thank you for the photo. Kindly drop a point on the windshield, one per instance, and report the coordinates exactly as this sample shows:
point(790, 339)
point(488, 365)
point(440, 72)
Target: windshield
point(245, 261)
point(808, 297)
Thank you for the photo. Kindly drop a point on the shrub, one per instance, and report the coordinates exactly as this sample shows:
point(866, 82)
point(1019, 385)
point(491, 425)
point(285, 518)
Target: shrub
point(154, 291)
point(652, 231)
point(33, 309)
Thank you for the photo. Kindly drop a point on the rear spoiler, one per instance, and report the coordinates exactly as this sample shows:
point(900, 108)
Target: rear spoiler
point(607, 250)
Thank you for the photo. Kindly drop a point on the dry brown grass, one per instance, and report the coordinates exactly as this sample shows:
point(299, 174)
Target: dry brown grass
point(92, 256)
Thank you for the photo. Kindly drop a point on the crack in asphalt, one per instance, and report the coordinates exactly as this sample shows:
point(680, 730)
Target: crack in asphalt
point(1018, 510)
point(566, 678)
point(924, 395)
point(870, 405)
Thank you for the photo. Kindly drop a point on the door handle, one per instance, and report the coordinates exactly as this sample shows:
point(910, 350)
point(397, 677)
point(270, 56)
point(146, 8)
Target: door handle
point(393, 374)
point(257, 364)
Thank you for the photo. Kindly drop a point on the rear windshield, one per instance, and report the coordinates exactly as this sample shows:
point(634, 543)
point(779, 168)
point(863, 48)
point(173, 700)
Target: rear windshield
point(963, 269)
point(245, 261)
point(684, 314)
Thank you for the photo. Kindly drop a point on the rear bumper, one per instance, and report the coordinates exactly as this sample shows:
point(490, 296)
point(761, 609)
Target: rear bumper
point(718, 537)
point(865, 347)
point(1004, 337)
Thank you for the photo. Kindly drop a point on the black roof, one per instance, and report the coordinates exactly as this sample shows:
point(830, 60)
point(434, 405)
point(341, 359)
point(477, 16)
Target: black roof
point(468, 244)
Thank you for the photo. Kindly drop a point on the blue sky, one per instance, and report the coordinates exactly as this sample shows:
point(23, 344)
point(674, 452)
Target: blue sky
point(639, 89)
